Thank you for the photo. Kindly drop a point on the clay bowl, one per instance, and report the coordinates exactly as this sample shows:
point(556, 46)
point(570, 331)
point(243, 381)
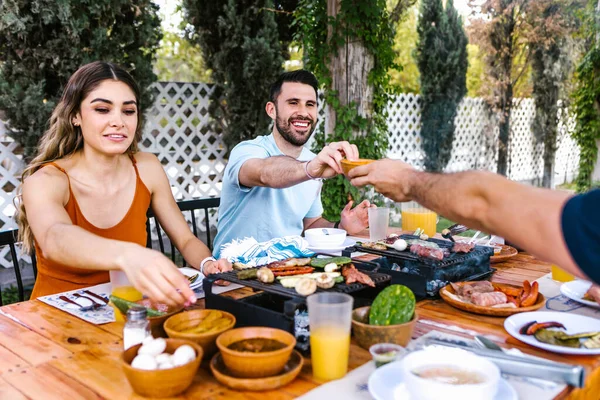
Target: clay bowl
point(367, 335)
point(244, 364)
point(163, 382)
point(347, 165)
point(189, 319)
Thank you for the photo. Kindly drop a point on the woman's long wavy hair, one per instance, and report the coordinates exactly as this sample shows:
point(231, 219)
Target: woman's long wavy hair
point(63, 139)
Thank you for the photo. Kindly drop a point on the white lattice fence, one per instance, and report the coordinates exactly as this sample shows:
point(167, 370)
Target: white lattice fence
point(178, 132)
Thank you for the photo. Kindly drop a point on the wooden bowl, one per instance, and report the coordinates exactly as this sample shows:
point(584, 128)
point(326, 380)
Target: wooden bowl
point(163, 382)
point(347, 165)
point(367, 335)
point(188, 319)
point(245, 364)
point(290, 371)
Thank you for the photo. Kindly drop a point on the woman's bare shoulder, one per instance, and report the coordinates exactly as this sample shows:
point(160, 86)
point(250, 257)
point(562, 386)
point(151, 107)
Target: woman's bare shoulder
point(48, 181)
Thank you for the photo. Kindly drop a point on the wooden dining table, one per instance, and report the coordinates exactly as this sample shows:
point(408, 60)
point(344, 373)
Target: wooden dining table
point(46, 353)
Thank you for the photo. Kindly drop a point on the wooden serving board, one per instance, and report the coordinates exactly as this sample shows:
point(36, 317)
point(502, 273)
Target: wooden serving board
point(491, 311)
point(506, 253)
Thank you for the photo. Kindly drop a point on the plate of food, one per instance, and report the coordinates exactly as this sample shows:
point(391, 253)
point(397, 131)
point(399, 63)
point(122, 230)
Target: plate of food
point(504, 254)
point(493, 299)
point(578, 290)
point(559, 332)
point(194, 276)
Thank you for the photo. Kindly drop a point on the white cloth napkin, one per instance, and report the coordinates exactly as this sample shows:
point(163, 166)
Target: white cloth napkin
point(249, 251)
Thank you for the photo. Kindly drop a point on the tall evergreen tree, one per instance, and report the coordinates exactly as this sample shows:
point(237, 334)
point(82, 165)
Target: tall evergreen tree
point(443, 61)
point(42, 43)
point(240, 43)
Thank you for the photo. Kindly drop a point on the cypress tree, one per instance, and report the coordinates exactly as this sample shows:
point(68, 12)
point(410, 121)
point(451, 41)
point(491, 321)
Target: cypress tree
point(240, 43)
point(441, 55)
point(43, 43)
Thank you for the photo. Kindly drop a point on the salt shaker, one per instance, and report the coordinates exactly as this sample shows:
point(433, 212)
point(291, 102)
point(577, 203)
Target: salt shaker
point(137, 327)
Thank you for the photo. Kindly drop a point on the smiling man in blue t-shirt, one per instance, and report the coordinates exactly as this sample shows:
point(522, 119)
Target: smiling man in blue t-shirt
point(272, 184)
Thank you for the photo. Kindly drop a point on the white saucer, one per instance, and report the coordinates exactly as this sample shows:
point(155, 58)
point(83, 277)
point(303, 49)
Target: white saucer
point(386, 384)
point(347, 243)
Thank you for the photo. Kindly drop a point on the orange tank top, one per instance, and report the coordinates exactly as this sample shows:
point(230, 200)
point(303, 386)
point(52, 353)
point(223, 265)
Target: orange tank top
point(54, 277)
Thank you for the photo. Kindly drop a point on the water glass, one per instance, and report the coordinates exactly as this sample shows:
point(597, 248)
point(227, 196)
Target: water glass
point(330, 318)
point(379, 220)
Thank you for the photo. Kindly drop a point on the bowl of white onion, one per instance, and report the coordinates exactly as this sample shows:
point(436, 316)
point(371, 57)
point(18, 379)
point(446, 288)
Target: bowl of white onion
point(162, 367)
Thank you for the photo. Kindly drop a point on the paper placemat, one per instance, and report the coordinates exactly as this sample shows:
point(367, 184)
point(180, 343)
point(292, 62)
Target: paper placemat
point(555, 301)
point(99, 316)
point(106, 314)
point(354, 386)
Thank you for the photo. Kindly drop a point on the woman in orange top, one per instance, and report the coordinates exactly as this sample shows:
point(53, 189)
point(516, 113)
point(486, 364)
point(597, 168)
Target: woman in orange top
point(85, 195)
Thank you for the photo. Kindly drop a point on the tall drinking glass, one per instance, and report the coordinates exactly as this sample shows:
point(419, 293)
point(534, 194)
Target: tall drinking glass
point(416, 216)
point(329, 316)
point(379, 220)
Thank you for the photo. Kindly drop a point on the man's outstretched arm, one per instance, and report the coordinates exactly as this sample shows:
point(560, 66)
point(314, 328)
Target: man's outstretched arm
point(527, 216)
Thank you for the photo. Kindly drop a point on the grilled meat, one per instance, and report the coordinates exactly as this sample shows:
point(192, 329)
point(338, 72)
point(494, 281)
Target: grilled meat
point(462, 247)
point(351, 274)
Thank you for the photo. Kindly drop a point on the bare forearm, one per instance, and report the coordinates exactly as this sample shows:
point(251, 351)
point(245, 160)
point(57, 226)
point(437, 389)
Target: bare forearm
point(276, 172)
point(194, 251)
point(525, 215)
point(466, 197)
point(74, 246)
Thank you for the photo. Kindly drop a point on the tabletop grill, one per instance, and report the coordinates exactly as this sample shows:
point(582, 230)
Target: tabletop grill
point(427, 276)
point(276, 306)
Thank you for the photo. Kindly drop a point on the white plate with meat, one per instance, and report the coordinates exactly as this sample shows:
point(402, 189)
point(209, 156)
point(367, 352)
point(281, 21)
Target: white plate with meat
point(573, 324)
point(576, 290)
point(327, 249)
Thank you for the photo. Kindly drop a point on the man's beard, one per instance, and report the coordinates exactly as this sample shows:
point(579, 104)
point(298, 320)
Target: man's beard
point(285, 130)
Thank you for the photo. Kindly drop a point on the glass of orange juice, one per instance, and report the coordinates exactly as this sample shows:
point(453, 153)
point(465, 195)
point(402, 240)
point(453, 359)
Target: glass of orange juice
point(416, 216)
point(560, 275)
point(121, 287)
point(329, 316)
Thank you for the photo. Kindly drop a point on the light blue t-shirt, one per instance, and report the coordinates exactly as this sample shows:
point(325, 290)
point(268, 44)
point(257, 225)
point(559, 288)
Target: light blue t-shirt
point(261, 212)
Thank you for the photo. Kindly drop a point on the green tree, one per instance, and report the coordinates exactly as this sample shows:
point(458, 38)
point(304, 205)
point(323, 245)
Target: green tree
point(348, 45)
point(178, 59)
point(586, 98)
point(551, 65)
point(442, 60)
point(43, 42)
point(405, 43)
point(241, 45)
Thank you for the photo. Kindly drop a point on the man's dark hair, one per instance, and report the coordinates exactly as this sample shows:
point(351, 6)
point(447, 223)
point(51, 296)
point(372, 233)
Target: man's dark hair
point(300, 76)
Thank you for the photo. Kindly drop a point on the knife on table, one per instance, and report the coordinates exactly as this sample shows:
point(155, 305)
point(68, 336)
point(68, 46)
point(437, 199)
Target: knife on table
point(573, 375)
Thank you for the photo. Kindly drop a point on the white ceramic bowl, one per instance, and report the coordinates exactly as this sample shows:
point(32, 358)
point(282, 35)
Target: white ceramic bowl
point(427, 389)
point(325, 237)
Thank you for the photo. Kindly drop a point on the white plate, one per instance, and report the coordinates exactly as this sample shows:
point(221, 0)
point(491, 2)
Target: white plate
point(347, 243)
point(187, 271)
point(386, 384)
point(573, 323)
point(575, 290)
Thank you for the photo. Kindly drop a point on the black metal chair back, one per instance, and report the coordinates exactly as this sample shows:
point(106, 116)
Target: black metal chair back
point(187, 207)
point(8, 238)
